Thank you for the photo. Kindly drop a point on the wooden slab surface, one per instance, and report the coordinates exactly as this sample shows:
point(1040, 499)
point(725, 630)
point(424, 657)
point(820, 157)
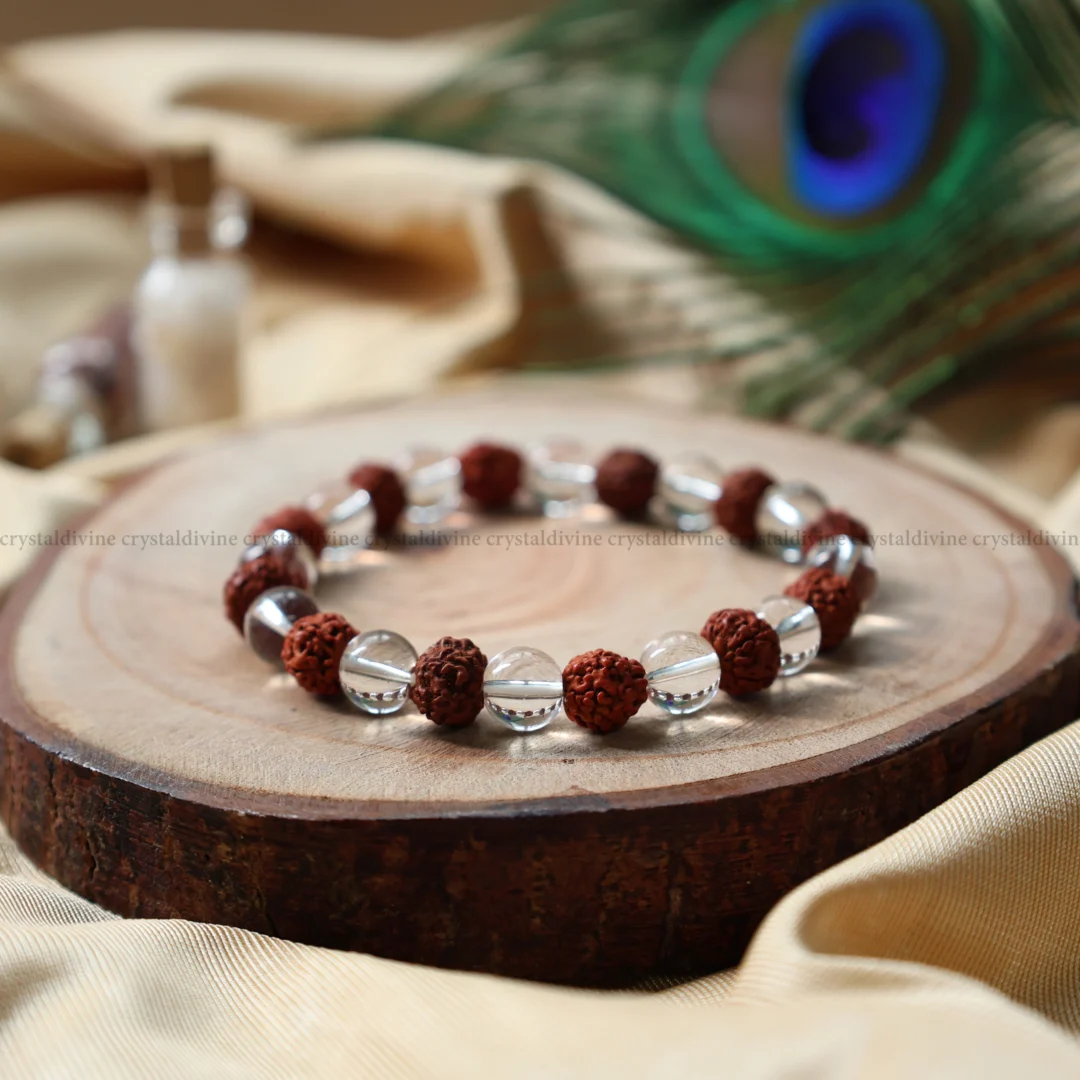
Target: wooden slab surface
point(153, 764)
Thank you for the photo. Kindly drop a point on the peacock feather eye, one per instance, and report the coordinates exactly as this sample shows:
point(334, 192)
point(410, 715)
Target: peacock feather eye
point(868, 86)
point(826, 110)
point(762, 129)
point(880, 186)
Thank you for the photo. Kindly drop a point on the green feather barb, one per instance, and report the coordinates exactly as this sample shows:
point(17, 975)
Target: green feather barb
point(736, 126)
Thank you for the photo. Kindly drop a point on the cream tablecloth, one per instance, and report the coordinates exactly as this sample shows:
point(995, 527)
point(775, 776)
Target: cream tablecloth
point(953, 949)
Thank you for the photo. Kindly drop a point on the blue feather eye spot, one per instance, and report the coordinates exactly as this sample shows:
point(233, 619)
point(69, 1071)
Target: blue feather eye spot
point(865, 95)
point(836, 113)
point(776, 133)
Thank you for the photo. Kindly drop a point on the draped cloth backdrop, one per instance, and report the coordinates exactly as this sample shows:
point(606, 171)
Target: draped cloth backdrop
point(952, 949)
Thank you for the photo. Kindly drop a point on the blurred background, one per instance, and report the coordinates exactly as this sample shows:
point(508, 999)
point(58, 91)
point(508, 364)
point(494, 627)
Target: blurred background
point(409, 210)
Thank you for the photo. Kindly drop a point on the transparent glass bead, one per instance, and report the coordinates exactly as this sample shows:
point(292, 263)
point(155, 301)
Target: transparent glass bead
point(560, 476)
point(432, 482)
point(523, 688)
point(288, 546)
point(798, 628)
point(349, 520)
point(689, 488)
point(850, 559)
point(376, 671)
point(271, 617)
point(683, 672)
point(785, 513)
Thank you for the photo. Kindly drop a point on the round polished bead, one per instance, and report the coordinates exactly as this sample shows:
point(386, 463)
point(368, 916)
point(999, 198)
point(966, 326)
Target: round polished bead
point(376, 671)
point(271, 617)
point(689, 488)
point(288, 547)
point(854, 562)
point(799, 630)
point(683, 672)
point(560, 476)
point(432, 482)
point(523, 688)
point(785, 512)
point(349, 519)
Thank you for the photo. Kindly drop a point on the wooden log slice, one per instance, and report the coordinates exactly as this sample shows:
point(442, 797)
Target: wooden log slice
point(153, 765)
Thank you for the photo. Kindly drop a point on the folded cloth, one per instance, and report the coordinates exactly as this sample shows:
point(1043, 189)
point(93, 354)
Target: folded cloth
point(949, 950)
point(475, 257)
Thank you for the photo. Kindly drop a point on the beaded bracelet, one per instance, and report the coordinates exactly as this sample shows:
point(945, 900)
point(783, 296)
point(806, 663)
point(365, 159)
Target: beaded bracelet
point(739, 651)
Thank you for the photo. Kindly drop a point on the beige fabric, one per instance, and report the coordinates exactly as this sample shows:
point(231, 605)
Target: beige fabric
point(951, 950)
point(437, 253)
point(869, 971)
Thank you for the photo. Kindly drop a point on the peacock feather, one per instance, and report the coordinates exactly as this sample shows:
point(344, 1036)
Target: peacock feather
point(882, 193)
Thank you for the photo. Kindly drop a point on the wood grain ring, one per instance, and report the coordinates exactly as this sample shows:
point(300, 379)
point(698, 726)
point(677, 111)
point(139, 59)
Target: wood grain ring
point(602, 869)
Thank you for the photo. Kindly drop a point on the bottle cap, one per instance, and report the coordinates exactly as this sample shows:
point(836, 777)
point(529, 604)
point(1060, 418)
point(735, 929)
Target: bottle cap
point(182, 178)
point(183, 174)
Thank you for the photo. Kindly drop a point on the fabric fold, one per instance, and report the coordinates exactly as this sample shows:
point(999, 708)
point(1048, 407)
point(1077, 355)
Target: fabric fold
point(951, 949)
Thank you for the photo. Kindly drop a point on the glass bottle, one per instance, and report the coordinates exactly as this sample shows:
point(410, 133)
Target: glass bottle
point(189, 303)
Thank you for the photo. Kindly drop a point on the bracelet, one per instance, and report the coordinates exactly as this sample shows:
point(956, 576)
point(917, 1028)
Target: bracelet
point(269, 596)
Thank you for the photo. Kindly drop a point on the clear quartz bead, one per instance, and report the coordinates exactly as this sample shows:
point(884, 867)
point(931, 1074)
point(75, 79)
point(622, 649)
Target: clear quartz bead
point(287, 546)
point(349, 520)
point(689, 488)
point(785, 513)
point(272, 616)
point(560, 476)
point(683, 672)
point(850, 559)
point(523, 688)
point(376, 671)
point(432, 482)
point(798, 628)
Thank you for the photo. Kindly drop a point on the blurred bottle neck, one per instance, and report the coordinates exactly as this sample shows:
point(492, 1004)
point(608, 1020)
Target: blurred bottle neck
point(198, 232)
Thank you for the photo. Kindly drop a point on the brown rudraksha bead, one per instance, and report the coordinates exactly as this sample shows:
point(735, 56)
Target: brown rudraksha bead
point(313, 648)
point(748, 649)
point(736, 509)
point(299, 522)
point(386, 491)
point(449, 682)
point(626, 481)
point(602, 690)
point(832, 597)
point(490, 474)
point(251, 579)
point(835, 523)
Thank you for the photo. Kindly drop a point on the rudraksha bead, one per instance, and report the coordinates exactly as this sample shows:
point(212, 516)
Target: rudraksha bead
point(740, 651)
point(313, 649)
point(251, 579)
point(299, 522)
point(748, 648)
point(490, 474)
point(602, 690)
point(386, 491)
point(835, 523)
point(835, 601)
point(736, 509)
point(626, 481)
point(449, 682)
